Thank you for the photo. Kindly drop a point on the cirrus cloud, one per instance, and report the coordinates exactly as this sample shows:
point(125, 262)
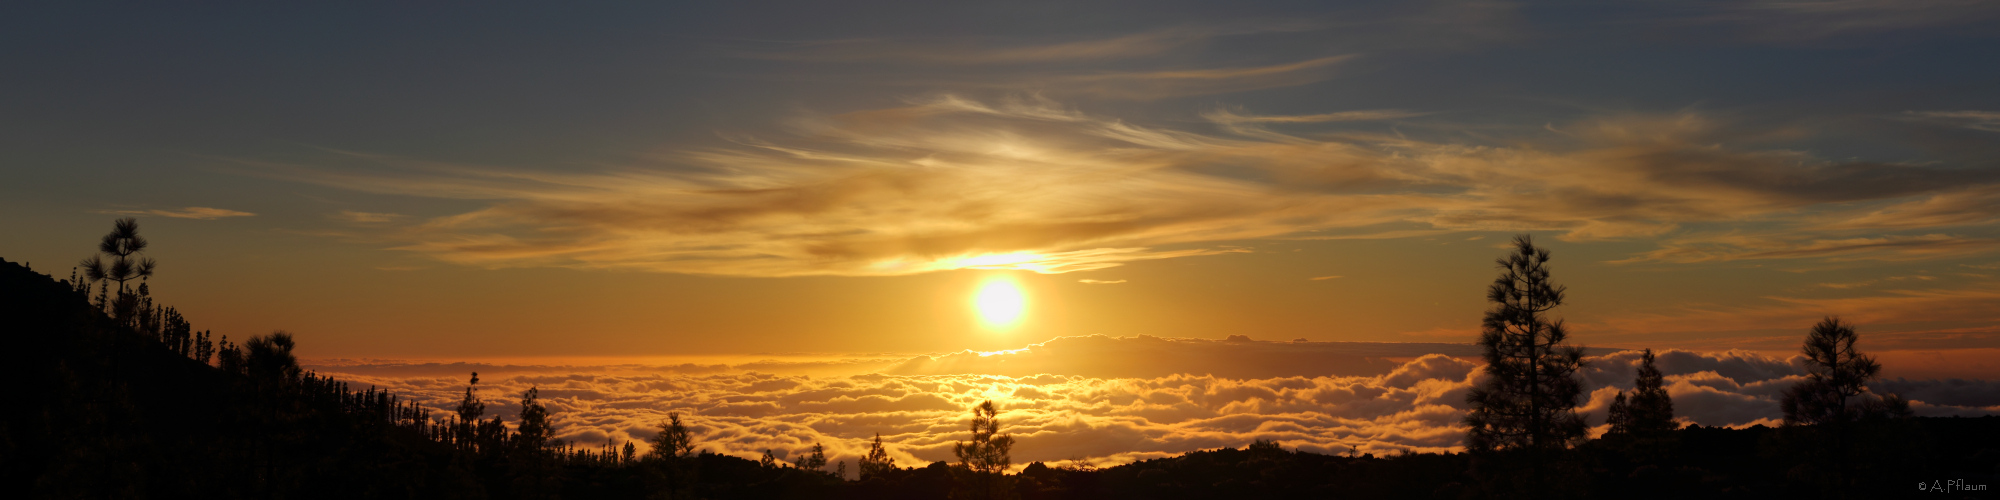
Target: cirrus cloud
point(197, 213)
point(1026, 183)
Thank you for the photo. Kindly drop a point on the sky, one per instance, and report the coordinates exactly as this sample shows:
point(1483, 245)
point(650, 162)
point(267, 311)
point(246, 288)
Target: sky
point(822, 190)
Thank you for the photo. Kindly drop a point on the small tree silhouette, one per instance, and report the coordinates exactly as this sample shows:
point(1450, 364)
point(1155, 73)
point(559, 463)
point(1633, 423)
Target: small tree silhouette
point(982, 462)
point(670, 465)
point(120, 245)
point(535, 474)
point(1619, 416)
point(533, 434)
point(1820, 412)
point(465, 433)
point(269, 359)
point(814, 461)
point(673, 442)
point(1650, 412)
point(1835, 374)
point(1652, 409)
point(1530, 393)
point(1645, 423)
point(877, 462)
point(229, 357)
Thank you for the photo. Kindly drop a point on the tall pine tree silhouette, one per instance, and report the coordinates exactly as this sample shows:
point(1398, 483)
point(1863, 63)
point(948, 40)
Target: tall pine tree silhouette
point(534, 474)
point(465, 429)
point(1823, 410)
point(982, 462)
point(1528, 399)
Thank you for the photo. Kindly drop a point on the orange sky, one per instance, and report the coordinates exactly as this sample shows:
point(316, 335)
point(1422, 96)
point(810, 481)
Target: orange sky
point(737, 181)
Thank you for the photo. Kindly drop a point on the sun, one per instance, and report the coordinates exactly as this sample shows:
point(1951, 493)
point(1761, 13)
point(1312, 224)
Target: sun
point(1000, 303)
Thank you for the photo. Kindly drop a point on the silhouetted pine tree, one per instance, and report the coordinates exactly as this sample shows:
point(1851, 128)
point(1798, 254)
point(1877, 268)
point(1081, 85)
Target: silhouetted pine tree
point(204, 350)
point(1643, 426)
point(533, 434)
point(121, 244)
point(877, 462)
point(1619, 416)
point(815, 461)
point(1652, 408)
point(673, 440)
point(1527, 401)
point(670, 467)
point(465, 431)
point(229, 357)
point(1823, 411)
point(982, 462)
point(269, 360)
point(535, 473)
point(1836, 373)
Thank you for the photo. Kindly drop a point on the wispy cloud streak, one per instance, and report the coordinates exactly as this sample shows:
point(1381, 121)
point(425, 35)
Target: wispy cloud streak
point(1026, 183)
point(197, 213)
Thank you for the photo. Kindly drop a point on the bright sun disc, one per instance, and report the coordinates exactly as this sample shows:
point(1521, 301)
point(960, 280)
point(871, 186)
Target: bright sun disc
point(1000, 303)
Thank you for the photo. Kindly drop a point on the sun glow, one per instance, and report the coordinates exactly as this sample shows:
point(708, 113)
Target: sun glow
point(1000, 303)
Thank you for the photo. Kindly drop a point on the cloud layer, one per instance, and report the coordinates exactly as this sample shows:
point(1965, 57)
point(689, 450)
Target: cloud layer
point(1413, 406)
point(199, 213)
point(1026, 183)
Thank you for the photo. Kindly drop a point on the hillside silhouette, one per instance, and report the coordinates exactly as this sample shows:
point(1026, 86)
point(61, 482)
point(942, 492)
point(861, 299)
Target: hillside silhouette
point(109, 404)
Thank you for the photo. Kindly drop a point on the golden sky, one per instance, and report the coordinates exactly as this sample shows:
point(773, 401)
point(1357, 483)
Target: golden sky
point(732, 180)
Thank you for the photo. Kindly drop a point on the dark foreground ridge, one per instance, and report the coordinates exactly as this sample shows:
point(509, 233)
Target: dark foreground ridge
point(104, 408)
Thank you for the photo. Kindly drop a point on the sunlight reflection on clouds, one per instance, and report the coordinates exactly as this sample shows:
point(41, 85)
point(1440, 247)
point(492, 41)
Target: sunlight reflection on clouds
point(1413, 407)
point(948, 182)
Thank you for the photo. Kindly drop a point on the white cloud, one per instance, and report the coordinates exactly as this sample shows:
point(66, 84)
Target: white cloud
point(1411, 406)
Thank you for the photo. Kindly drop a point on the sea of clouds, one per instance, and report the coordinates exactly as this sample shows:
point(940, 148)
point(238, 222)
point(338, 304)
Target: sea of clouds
point(1098, 400)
